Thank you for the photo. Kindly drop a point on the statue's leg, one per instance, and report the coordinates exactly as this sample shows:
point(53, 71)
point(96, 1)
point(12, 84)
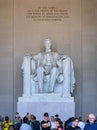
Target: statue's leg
point(40, 72)
point(53, 79)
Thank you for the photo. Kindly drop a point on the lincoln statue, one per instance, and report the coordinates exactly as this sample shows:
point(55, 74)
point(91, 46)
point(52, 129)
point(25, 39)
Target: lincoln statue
point(48, 72)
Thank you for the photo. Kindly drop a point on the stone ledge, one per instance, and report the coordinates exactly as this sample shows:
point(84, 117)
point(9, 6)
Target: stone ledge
point(46, 97)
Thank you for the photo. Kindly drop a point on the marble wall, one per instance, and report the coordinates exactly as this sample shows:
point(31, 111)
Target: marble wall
point(74, 33)
point(89, 56)
point(6, 58)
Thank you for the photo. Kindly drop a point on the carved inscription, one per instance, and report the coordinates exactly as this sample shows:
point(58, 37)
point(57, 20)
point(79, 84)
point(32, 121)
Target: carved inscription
point(47, 14)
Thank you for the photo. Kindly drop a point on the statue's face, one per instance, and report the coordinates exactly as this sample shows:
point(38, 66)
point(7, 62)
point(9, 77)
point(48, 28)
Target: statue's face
point(47, 44)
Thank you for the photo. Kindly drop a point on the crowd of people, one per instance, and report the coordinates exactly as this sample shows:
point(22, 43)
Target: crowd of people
point(29, 122)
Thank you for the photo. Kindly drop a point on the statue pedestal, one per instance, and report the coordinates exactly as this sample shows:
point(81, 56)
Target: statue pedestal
point(38, 104)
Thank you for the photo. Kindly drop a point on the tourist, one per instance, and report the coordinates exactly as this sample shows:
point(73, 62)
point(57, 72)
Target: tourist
point(45, 123)
point(68, 123)
point(59, 125)
point(6, 123)
point(91, 125)
point(81, 123)
point(12, 127)
point(74, 125)
point(36, 124)
point(25, 125)
point(17, 121)
point(53, 123)
point(57, 117)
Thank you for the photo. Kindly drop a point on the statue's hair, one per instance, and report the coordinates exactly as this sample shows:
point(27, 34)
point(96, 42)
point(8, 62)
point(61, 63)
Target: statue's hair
point(46, 40)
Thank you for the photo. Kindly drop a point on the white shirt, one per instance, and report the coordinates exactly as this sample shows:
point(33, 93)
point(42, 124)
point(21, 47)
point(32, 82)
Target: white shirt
point(53, 125)
point(25, 126)
point(81, 124)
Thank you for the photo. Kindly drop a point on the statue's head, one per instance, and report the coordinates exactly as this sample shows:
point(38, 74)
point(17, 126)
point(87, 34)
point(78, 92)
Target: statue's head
point(47, 44)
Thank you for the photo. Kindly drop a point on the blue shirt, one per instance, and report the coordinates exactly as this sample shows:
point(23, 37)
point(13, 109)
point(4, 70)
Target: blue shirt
point(91, 126)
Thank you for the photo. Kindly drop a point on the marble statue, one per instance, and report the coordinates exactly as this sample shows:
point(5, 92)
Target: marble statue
point(48, 72)
point(46, 66)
